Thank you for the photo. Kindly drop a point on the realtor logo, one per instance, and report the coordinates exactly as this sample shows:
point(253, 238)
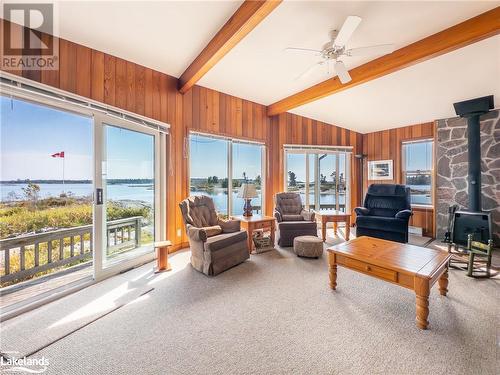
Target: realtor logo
point(27, 37)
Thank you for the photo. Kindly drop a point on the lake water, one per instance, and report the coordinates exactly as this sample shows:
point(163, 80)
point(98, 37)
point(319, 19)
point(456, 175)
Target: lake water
point(144, 193)
point(136, 192)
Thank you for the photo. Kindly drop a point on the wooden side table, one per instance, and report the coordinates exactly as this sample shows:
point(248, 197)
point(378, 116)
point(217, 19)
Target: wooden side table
point(334, 216)
point(162, 256)
point(255, 222)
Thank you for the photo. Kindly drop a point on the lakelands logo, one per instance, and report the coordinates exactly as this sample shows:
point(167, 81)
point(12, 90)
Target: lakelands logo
point(23, 365)
point(27, 37)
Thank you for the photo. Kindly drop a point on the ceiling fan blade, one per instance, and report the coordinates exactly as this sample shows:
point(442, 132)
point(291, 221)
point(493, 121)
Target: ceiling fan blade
point(342, 72)
point(381, 49)
point(309, 70)
point(303, 50)
point(350, 25)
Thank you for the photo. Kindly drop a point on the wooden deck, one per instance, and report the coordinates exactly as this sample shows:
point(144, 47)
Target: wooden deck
point(43, 285)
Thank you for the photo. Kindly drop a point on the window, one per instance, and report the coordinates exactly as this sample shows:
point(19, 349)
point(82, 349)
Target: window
point(218, 167)
point(417, 170)
point(319, 176)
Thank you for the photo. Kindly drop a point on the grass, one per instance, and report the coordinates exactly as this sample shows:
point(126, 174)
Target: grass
point(55, 213)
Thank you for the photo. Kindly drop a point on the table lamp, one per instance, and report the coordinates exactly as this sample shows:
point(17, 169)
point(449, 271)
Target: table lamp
point(247, 192)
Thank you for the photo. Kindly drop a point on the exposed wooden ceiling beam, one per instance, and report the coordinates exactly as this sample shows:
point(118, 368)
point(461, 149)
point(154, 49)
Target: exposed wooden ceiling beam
point(244, 20)
point(473, 30)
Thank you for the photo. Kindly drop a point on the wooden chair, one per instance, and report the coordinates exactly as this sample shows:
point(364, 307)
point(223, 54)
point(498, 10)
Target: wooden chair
point(480, 249)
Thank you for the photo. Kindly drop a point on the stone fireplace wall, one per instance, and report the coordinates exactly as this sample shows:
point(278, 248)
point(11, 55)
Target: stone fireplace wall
point(451, 161)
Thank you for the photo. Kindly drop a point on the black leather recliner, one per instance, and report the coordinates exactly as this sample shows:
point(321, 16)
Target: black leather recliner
point(386, 213)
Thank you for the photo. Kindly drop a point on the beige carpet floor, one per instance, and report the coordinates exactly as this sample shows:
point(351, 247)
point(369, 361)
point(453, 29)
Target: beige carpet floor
point(275, 314)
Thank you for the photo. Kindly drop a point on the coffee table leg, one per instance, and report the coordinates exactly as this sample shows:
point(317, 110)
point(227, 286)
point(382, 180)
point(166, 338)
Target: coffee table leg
point(422, 294)
point(332, 268)
point(323, 228)
point(443, 283)
point(335, 227)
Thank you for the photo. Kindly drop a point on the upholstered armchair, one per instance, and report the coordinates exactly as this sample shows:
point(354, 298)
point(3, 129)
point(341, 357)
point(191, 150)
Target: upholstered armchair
point(386, 213)
point(293, 220)
point(216, 244)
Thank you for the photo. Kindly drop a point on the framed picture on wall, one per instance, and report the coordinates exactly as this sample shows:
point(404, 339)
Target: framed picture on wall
point(380, 170)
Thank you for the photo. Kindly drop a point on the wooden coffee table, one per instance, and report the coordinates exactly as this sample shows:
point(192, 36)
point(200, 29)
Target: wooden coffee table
point(254, 222)
point(334, 216)
point(413, 267)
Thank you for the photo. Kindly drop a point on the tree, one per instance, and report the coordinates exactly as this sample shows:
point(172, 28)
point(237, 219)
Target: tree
point(322, 178)
point(292, 178)
point(258, 180)
point(245, 177)
point(334, 176)
point(31, 192)
point(12, 196)
point(212, 180)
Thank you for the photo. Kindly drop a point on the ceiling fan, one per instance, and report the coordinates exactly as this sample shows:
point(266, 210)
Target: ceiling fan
point(335, 49)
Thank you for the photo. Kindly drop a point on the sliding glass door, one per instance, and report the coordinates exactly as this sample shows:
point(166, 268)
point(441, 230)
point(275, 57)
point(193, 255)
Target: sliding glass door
point(129, 186)
point(81, 194)
point(219, 166)
point(46, 184)
point(320, 177)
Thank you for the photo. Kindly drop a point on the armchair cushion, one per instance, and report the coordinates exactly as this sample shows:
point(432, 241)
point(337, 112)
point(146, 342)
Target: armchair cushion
point(196, 234)
point(308, 215)
point(292, 217)
point(382, 223)
point(224, 240)
point(230, 226)
point(404, 214)
point(288, 203)
point(199, 211)
point(214, 230)
point(362, 211)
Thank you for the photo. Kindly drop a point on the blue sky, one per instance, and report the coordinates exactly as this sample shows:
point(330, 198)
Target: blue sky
point(418, 156)
point(31, 133)
point(208, 157)
point(297, 164)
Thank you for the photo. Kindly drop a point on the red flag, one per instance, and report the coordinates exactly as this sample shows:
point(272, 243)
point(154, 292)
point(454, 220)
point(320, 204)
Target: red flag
point(58, 154)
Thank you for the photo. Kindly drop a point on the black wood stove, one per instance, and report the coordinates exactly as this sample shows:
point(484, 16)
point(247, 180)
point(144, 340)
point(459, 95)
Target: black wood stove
point(472, 221)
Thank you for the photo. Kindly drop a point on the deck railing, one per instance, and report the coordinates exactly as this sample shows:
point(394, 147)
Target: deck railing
point(60, 247)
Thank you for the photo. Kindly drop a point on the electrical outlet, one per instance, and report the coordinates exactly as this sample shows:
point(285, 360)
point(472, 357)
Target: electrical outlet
point(179, 233)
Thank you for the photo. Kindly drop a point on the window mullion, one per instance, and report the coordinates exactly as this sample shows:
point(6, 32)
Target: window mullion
point(229, 178)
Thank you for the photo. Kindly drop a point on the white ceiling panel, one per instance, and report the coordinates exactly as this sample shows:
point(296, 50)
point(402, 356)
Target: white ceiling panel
point(259, 69)
point(421, 93)
point(162, 35)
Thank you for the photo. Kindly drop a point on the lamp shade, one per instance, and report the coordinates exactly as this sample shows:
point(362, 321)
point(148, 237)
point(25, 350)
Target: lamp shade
point(247, 191)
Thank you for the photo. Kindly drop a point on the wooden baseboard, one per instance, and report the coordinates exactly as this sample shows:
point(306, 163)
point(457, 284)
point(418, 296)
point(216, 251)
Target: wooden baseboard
point(178, 247)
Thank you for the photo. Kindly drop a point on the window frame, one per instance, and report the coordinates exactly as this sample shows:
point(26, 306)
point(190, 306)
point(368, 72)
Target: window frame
point(230, 141)
point(307, 151)
point(431, 171)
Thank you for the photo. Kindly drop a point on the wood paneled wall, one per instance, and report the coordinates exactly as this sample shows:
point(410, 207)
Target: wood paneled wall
point(123, 84)
point(386, 144)
point(288, 128)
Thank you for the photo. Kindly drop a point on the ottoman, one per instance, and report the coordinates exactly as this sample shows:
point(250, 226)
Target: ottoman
point(308, 246)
